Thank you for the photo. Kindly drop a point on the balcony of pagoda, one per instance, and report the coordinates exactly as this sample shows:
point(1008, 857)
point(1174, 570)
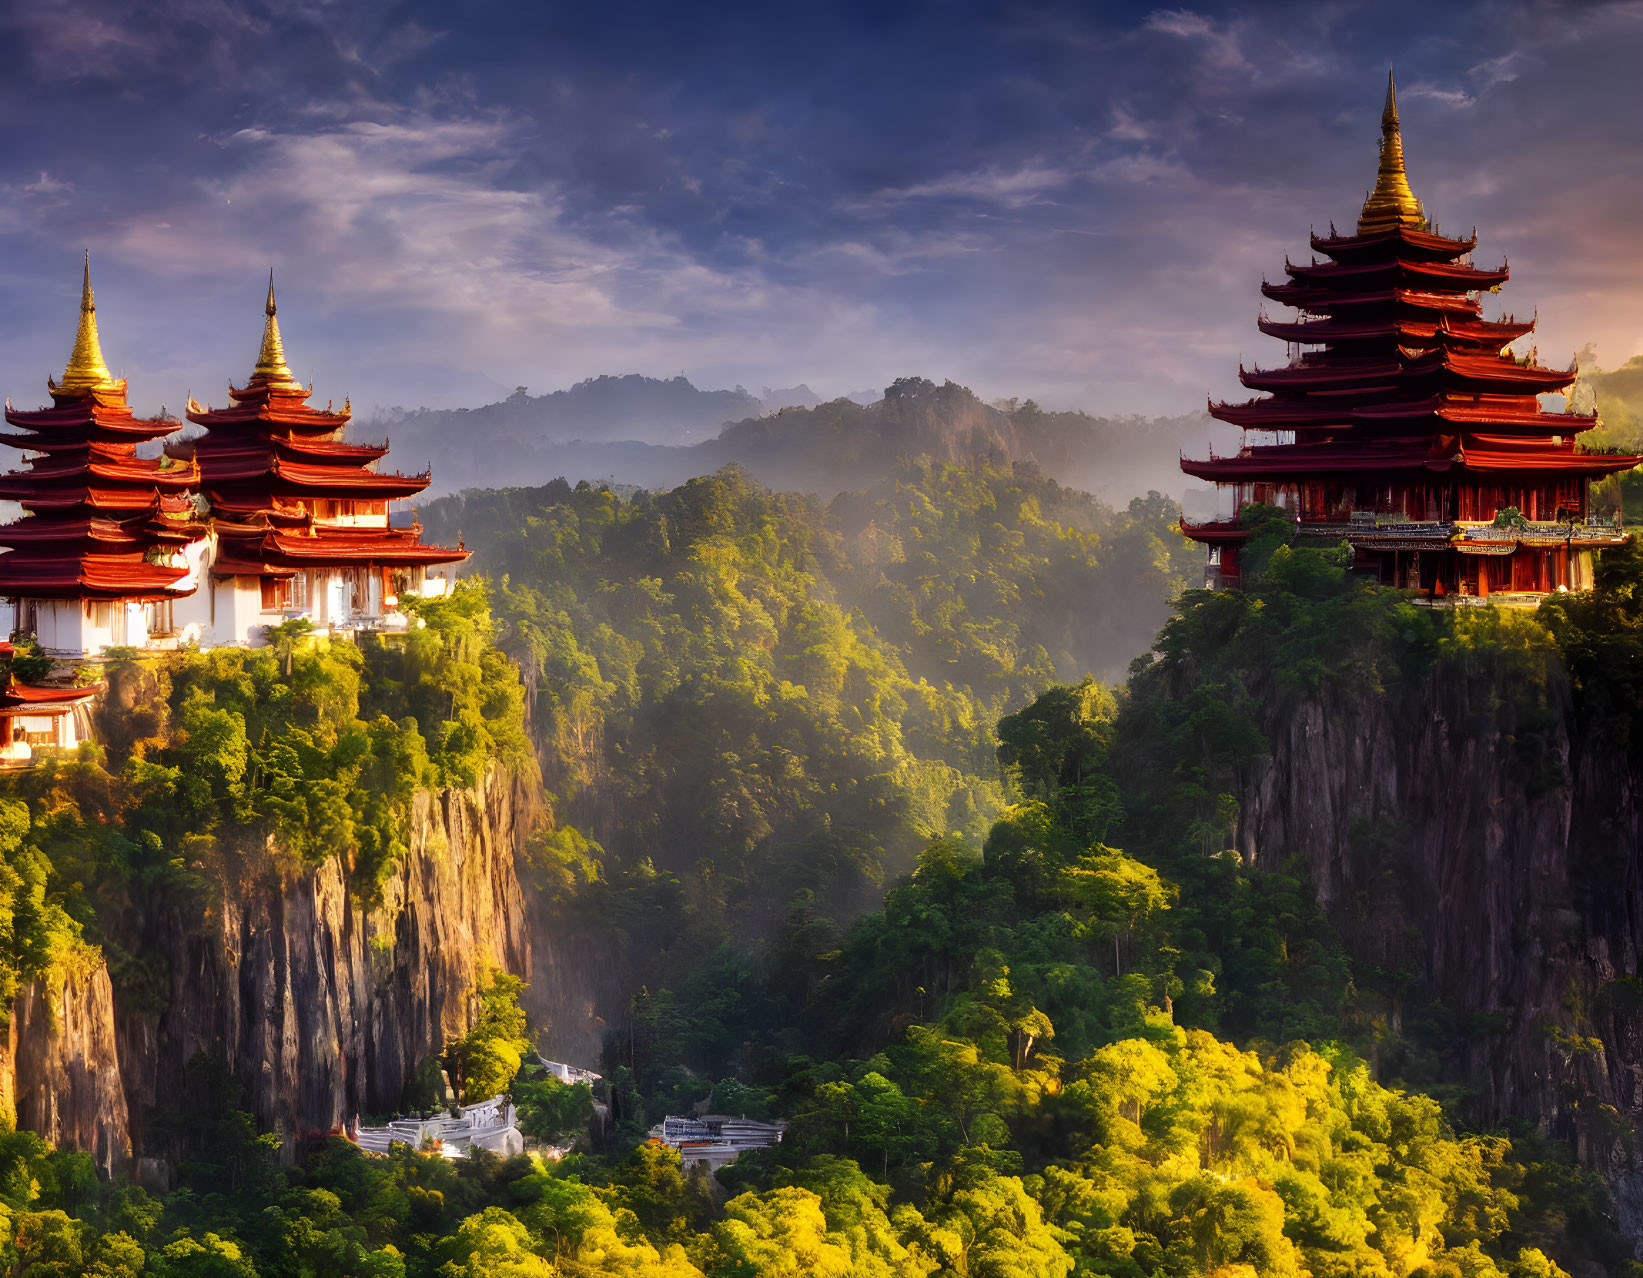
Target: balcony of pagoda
point(1379, 531)
point(1457, 375)
point(1421, 457)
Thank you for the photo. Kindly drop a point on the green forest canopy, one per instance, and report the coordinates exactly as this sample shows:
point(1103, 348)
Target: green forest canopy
point(757, 694)
point(1084, 1040)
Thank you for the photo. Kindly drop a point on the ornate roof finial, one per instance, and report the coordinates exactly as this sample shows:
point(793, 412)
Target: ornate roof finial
point(86, 370)
point(1391, 204)
point(271, 368)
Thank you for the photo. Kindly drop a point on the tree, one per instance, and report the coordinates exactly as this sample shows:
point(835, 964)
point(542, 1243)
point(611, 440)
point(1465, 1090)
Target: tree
point(48, 1244)
point(208, 1256)
point(986, 1226)
point(492, 1244)
point(549, 1110)
point(485, 1060)
point(781, 1234)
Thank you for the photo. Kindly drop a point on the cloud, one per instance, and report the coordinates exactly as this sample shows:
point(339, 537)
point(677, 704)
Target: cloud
point(1059, 200)
point(1142, 167)
point(1459, 98)
point(1222, 48)
point(420, 214)
point(1125, 127)
point(1013, 188)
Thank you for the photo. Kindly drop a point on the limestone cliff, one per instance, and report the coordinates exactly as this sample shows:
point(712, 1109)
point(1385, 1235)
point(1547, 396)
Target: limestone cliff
point(1467, 841)
point(59, 1071)
point(321, 1009)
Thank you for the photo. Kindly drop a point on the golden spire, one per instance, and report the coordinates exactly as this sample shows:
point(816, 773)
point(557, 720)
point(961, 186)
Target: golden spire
point(86, 370)
point(1391, 203)
point(271, 368)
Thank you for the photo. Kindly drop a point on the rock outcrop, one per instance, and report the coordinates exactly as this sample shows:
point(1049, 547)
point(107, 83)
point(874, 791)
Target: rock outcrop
point(60, 1073)
point(320, 1008)
point(1465, 835)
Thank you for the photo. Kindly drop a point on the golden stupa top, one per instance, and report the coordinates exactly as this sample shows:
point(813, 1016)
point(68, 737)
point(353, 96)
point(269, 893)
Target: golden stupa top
point(86, 370)
point(271, 369)
point(1391, 203)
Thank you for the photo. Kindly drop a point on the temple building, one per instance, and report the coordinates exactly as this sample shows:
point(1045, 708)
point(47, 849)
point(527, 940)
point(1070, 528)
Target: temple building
point(32, 715)
point(299, 517)
point(1403, 424)
point(108, 540)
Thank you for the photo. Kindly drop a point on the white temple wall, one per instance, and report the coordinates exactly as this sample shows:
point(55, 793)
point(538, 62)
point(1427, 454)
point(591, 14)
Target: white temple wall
point(319, 596)
point(191, 614)
point(84, 627)
point(60, 625)
point(240, 618)
point(364, 520)
point(343, 596)
point(128, 625)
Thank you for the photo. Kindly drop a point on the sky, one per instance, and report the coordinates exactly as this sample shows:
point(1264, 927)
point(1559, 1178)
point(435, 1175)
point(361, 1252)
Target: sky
point(1072, 202)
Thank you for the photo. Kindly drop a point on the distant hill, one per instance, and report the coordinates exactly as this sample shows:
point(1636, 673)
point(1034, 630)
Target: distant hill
point(645, 409)
point(637, 430)
point(1617, 395)
point(846, 445)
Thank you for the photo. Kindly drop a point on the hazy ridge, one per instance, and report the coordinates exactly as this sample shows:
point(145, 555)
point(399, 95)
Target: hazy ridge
point(657, 434)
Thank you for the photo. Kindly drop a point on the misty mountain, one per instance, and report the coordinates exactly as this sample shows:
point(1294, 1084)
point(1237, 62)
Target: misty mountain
point(1616, 395)
point(846, 445)
point(631, 407)
point(822, 447)
point(800, 396)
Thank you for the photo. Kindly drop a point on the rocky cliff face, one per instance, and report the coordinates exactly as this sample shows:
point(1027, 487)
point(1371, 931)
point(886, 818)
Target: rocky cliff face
point(1463, 834)
point(59, 1070)
point(322, 1010)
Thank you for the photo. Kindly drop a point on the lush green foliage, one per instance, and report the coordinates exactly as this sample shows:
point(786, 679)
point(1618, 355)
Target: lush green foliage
point(549, 1111)
point(321, 745)
point(1080, 1038)
point(325, 744)
point(1050, 1018)
point(1600, 634)
point(1185, 1157)
point(744, 696)
point(483, 1062)
point(989, 1077)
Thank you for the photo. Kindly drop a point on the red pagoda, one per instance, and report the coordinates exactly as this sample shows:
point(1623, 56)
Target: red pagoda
point(300, 516)
point(100, 552)
point(1403, 424)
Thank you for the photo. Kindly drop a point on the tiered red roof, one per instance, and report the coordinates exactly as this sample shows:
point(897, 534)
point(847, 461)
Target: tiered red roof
point(36, 699)
point(1406, 375)
point(276, 470)
point(1413, 380)
point(100, 522)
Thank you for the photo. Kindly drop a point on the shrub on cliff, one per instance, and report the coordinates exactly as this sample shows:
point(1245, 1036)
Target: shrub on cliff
point(1600, 634)
point(321, 745)
point(484, 1061)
